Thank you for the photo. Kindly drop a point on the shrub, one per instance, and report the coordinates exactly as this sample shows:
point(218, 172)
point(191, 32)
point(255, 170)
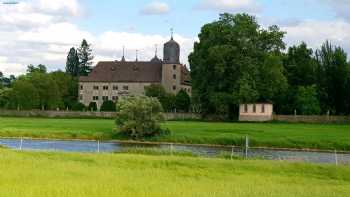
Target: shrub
point(139, 117)
point(92, 106)
point(78, 106)
point(182, 101)
point(108, 106)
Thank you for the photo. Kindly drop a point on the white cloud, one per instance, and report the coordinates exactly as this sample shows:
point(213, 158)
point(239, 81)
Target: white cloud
point(155, 8)
point(229, 5)
point(314, 33)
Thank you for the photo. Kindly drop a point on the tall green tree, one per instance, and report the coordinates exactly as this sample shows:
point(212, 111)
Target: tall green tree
point(40, 68)
point(85, 57)
point(333, 78)
point(306, 101)
point(25, 95)
point(300, 66)
point(72, 63)
point(226, 61)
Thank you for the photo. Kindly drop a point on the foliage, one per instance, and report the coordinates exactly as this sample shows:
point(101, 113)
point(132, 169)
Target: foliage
point(166, 99)
point(85, 57)
point(108, 106)
point(92, 106)
point(227, 62)
point(77, 106)
point(307, 100)
point(182, 101)
point(333, 75)
point(72, 64)
point(139, 117)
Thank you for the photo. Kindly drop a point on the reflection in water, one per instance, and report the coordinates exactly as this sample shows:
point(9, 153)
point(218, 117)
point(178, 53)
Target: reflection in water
point(93, 146)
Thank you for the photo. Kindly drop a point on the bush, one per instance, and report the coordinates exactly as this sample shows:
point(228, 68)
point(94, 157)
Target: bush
point(139, 117)
point(108, 106)
point(182, 101)
point(92, 106)
point(78, 106)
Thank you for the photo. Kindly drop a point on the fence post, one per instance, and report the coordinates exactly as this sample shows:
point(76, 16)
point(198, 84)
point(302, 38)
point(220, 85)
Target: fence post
point(336, 157)
point(171, 149)
point(232, 153)
point(98, 146)
point(246, 146)
point(21, 144)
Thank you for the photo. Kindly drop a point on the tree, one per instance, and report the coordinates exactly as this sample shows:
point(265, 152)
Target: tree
point(85, 57)
point(25, 95)
point(300, 66)
point(40, 69)
point(226, 62)
point(67, 86)
point(108, 106)
point(77, 106)
point(166, 99)
point(92, 106)
point(1, 80)
point(72, 64)
point(306, 101)
point(139, 117)
point(333, 78)
point(272, 82)
point(182, 101)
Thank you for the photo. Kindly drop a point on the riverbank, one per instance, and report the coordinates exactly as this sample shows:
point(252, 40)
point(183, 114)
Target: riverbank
point(73, 174)
point(277, 135)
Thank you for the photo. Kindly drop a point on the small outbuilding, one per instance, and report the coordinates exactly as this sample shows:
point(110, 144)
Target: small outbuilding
point(256, 112)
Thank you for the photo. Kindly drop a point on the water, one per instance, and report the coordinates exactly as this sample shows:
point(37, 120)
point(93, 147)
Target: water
point(208, 151)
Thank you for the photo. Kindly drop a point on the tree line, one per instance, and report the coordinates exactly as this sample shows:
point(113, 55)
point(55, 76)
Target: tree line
point(236, 61)
point(40, 89)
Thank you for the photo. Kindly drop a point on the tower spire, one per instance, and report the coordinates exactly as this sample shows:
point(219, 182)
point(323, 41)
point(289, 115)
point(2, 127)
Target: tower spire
point(172, 33)
point(137, 51)
point(123, 58)
point(156, 46)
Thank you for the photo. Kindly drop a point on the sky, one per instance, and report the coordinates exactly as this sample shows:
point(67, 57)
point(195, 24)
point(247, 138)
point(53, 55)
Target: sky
point(43, 31)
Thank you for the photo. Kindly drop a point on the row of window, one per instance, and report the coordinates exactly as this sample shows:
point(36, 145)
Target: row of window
point(254, 108)
point(104, 98)
point(106, 87)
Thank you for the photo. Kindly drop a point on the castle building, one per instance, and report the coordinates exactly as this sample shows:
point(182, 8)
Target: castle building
point(111, 80)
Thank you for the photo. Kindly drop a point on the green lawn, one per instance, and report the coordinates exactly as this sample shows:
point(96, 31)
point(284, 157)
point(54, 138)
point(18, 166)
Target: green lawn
point(39, 174)
point(322, 136)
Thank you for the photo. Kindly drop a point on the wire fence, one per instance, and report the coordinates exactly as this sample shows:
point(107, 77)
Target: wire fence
point(232, 152)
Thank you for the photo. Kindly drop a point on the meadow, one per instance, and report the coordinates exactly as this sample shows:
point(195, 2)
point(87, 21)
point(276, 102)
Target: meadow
point(285, 135)
point(41, 174)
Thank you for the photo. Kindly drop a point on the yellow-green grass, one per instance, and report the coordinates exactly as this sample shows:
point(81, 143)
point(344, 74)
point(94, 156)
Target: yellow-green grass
point(40, 174)
point(318, 136)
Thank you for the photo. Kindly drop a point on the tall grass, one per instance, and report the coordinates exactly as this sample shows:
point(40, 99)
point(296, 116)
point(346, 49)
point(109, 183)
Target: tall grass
point(40, 174)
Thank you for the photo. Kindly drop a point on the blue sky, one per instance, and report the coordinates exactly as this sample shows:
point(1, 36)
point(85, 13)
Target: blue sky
point(42, 31)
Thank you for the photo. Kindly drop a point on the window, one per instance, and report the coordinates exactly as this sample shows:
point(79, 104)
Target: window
point(174, 67)
point(174, 87)
point(115, 87)
point(254, 108)
point(105, 98)
point(81, 97)
point(245, 108)
point(81, 87)
point(125, 87)
point(174, 76)
point(262, 108)
point(114, 98)
point(95, 98)
point(105, 87)
point(95, 87)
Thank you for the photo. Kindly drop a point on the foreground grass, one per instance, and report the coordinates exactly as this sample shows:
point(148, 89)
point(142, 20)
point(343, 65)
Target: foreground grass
point(318, 136)
point(34, 174)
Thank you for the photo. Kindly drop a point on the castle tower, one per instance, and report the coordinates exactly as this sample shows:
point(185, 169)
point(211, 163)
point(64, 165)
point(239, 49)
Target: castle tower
point(171, 72)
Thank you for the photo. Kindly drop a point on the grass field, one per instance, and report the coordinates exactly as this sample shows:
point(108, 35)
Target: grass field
point(39, 174)
point(319, 136)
